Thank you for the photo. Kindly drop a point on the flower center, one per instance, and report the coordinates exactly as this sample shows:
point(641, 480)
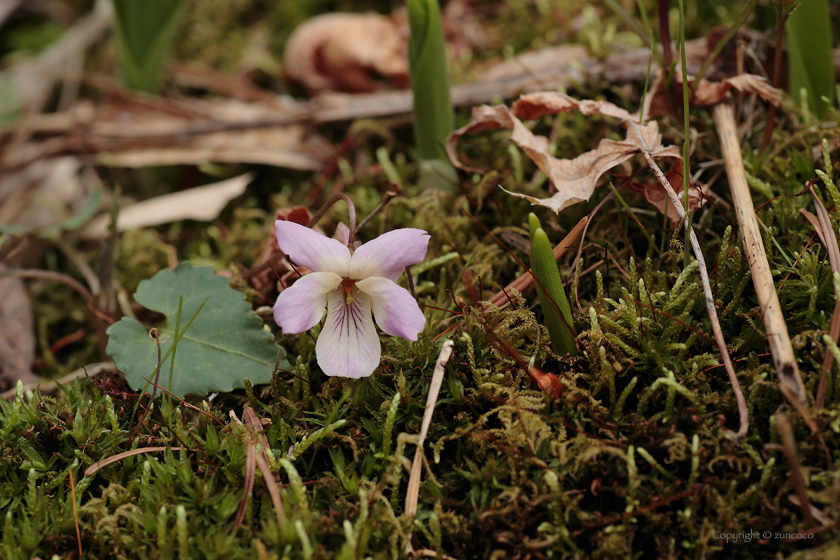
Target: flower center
point(348, 284)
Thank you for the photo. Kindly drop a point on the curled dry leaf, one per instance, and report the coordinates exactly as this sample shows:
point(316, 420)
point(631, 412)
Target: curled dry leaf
point(707, 93)
point(343, 52)
point(574, 179)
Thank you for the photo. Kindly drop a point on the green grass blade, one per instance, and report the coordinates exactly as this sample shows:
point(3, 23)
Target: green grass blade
point(433, 116)
point(809, 53)
point(144, 31)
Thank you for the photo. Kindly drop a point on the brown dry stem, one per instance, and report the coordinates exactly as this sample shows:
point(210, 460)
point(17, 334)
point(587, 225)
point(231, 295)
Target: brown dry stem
point(768, 299)
point(413, 491)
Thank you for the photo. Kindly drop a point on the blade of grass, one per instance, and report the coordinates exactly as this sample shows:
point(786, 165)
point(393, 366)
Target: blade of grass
point(810, 57)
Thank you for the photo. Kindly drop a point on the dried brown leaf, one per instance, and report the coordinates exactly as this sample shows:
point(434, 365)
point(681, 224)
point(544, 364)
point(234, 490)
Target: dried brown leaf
point(706, 92)
point(574, 179)
point(343, 52)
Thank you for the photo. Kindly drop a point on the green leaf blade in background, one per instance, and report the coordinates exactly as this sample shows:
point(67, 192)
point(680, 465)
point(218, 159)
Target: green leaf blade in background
point(225, 343)
point(810, 57)
point(433, 114)
point(144, 31)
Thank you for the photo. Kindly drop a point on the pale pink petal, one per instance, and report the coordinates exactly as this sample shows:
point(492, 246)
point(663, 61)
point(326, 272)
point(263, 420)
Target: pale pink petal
point(311, 249)
point(348, 345)
point(387, 255)
point(396, 312)
point(300, 307)
point(342, 233)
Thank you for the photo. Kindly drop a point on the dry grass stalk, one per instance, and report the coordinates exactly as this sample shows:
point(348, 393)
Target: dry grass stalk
point(822, 225)
point(413, 491)
point(91, 470)
point(253, 459)
point(75, 513)
point(503, 298)
point(710, 300)
point(768, 299)
point(789, 447)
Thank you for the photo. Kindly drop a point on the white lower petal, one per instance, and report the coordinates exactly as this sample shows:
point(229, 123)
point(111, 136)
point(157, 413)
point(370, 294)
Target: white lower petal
point(300, 307)
point(348, 345)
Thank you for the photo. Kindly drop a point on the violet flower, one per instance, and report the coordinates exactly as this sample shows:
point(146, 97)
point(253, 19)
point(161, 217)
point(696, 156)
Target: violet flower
point(351, 284)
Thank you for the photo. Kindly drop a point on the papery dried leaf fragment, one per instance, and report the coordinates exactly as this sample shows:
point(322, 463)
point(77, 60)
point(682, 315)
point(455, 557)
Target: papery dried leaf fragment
point(574, 179)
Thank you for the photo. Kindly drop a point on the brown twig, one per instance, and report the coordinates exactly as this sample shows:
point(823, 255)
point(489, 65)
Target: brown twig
point(789, 447)
point(768, 299)
point(50, 275)
point(385, 200)
point(710, 300)
point(155, 336)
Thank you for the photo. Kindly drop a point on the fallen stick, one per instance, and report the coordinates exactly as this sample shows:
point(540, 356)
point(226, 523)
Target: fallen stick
point(768, 300)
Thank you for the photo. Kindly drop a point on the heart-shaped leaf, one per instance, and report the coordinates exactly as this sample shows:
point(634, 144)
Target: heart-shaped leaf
point(223, 345)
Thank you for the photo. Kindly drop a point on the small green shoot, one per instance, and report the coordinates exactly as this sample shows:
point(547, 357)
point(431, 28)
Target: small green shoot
point(558, 314)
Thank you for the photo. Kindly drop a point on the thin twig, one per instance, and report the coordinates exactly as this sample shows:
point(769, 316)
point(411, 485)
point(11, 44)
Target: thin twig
point(789, 446)
point(155, 336)
point(710, 300)
point(50, 275)
point(768, 299)
point(91, 470)
point(385, 200)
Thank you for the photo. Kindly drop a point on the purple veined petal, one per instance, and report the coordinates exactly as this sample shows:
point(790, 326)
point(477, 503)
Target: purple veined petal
point(387, 255)
point(311, 249)
point(300, 307)
point(348, 345)
point(396, 312)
